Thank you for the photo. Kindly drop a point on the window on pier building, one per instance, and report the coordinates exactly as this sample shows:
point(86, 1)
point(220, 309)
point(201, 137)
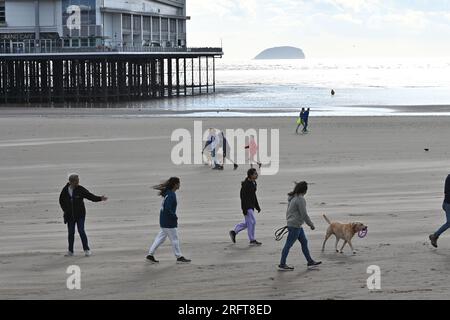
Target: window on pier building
point(173, 25)
point(164, 25)
point(155, 25)
point(181, 26)
point(2, 12)
point(147, 24)
point(126, 21)
point(136, 23)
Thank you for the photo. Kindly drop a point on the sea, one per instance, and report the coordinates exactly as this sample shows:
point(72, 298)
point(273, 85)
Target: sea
point(363, 87)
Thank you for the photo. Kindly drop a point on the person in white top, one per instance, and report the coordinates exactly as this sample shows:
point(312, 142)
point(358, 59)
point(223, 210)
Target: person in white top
point(212, 143)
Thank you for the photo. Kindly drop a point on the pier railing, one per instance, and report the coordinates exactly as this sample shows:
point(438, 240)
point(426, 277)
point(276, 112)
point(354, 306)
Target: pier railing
point(34, 50)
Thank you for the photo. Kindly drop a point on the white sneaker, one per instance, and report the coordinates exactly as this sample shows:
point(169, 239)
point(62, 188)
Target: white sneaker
point(87, 253)
point(69, 254)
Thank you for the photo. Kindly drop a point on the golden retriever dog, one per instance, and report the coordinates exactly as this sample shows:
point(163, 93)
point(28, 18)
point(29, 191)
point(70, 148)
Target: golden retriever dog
point(344, 232)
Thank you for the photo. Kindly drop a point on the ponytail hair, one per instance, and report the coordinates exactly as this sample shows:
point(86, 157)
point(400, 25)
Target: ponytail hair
point(168, 185)
point(300, 188)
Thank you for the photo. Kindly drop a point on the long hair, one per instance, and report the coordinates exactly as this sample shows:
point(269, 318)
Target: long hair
point(300, 188)
point(168, 185)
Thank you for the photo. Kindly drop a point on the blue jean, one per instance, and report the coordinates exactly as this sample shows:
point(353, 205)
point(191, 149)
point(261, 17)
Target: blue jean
point(305, 126)
point(294, 235)
point(446, 226)
point(80, 226)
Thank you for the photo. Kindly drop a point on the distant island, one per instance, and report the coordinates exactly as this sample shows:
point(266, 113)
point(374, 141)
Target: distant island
point(281, 53)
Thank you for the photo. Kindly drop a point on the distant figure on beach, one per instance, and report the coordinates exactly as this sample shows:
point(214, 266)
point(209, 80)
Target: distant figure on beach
point(333, 92)
point(300, 120)
point(71, 201)
point(249, 203)
point(446, 207)
point(212, 144)
point(306, 120)
point(252, 147)
point(168, 220)
point(207, 148)
point(296, 216)
point(226, 149)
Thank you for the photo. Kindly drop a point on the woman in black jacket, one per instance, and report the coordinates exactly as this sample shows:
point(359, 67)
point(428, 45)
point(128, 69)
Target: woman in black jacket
point(249, 203)
point(71, 201)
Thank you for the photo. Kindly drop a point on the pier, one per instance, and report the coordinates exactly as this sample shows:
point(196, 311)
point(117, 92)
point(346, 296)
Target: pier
point(107, 76)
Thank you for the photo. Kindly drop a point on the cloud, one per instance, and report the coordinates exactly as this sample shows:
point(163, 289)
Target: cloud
point(246, 24)
point(353, 5)
point(345, 17)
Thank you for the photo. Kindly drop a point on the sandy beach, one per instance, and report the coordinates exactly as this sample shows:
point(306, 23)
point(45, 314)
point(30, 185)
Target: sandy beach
point(368, 169)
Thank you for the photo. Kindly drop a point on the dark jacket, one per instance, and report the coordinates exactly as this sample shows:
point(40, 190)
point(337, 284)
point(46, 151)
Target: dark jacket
point(447, 190)
point(302, 115)
point(74, 208)
point(248, 196)
point(168, 213)
point(306, 116)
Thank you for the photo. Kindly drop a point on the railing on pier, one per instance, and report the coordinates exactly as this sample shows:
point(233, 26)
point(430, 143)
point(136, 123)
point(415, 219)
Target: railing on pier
point(56, 49)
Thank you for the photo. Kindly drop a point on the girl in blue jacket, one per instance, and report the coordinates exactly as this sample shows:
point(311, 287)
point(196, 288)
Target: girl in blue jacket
point(168, 220)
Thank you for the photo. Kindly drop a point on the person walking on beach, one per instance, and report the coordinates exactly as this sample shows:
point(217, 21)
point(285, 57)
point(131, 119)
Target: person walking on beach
point(212, 143)
point(306, 120)
point(168, 221)
point(296, 216)
point(300, 120)
point(71, 201)
point(249, 202)
point(209, 146)
point(446, 207)
point(226, 149)
point(253, 151)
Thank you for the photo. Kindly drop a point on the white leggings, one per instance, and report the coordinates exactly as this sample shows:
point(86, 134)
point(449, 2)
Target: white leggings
point(162, 236)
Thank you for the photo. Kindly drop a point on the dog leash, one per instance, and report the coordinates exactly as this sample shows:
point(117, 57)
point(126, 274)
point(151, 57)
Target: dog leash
point(280, 233)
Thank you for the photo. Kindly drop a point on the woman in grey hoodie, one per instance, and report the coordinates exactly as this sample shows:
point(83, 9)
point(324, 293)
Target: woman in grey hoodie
point(296, 216)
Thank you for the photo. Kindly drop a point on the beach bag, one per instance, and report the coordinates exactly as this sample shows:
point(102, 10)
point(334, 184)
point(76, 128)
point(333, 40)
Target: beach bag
point(299, 121)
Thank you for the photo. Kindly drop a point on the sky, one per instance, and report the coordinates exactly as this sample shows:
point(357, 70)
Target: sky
point(323, 28)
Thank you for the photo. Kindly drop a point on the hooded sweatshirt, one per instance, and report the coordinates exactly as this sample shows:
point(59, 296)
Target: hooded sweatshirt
point(296, 214)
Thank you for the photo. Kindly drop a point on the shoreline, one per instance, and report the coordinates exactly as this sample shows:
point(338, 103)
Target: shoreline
point(137, 112)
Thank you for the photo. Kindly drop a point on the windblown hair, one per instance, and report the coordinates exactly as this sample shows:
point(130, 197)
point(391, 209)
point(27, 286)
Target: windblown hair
point(300, 188)
point(168, 185)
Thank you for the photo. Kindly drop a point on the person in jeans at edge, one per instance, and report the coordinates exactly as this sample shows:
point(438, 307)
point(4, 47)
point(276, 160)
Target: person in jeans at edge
point(446, 207)
point(168, 220)
point(71, 201)
point(296, 216)
point(249, 203)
